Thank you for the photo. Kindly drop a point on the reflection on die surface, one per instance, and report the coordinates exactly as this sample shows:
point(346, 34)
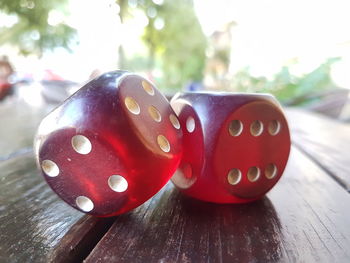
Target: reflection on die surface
point(236, 146)
point(111, 146)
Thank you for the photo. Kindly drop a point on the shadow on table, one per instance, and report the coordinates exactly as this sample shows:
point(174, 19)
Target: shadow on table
point(231, 232)
point(174, 228)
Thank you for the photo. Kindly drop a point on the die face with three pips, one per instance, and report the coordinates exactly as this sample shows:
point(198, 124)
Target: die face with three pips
point(111, 146)
point(236, 146)
point(117, 141)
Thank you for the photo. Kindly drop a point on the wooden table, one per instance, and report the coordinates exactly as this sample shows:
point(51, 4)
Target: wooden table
point(305, 218)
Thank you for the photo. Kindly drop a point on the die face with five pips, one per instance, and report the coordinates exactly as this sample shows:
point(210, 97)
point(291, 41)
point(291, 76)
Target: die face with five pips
point(236, 146)
point(117, 141)
point(111, 146)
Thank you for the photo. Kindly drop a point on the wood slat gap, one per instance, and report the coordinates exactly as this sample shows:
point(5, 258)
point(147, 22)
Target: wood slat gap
point(325, 141)
point(16, 154)
point(338, 179)
point(81, 239)
point(304, 218)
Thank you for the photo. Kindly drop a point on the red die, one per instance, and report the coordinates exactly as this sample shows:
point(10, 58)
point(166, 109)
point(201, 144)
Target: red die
point(236, 146)
point(110, 146)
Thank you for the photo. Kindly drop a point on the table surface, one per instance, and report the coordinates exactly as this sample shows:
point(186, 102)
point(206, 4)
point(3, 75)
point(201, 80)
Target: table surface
point(304, 218)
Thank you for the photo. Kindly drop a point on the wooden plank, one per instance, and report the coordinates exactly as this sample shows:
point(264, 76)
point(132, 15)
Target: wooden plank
point(33, 220)
point(324, 140)
point(305, 218)
point(82, 237)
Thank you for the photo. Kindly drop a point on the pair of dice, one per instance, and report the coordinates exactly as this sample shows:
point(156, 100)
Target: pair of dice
point(117, 141)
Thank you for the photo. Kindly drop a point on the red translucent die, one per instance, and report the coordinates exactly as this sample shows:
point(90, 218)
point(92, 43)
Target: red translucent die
point(110, 146)
point(236, 146)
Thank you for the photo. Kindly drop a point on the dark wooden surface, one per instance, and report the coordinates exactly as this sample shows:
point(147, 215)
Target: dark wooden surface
point(305, 218)
point(300, 220)
point(325, 141)
point(33, 220)
point(34, 223)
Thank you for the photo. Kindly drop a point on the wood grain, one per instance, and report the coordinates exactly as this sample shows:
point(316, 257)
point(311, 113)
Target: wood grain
point(305, 218)
point(324, 140)
point(33, 220)
point(81, 238)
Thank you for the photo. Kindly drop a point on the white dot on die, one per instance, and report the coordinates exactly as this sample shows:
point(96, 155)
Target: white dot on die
point(81, 144)
point(190, 124)
point(271, 171)
point(183, 176)
point(118, 183)
point(84, 203)
point(234, 176)
point(163, 143)
point(132, 105)
point(50, 168)
point(235, 128)
point(256, 128)
point(174, 121)
point(148, 88)
point(154, 113)
point(253, 174)
point(274, 127)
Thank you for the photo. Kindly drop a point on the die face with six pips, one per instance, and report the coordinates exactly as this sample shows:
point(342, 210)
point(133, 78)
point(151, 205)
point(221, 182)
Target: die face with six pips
point(111, 146)
point(117, 141)
point(236, 146)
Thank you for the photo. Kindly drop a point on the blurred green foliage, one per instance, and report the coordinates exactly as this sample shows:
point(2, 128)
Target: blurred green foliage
point(288, 88)
point(174, 39)
point(180, 45)
point(31, 32)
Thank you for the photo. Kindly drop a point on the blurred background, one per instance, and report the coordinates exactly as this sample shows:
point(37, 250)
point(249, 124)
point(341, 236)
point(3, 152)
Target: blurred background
point(297, 50)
